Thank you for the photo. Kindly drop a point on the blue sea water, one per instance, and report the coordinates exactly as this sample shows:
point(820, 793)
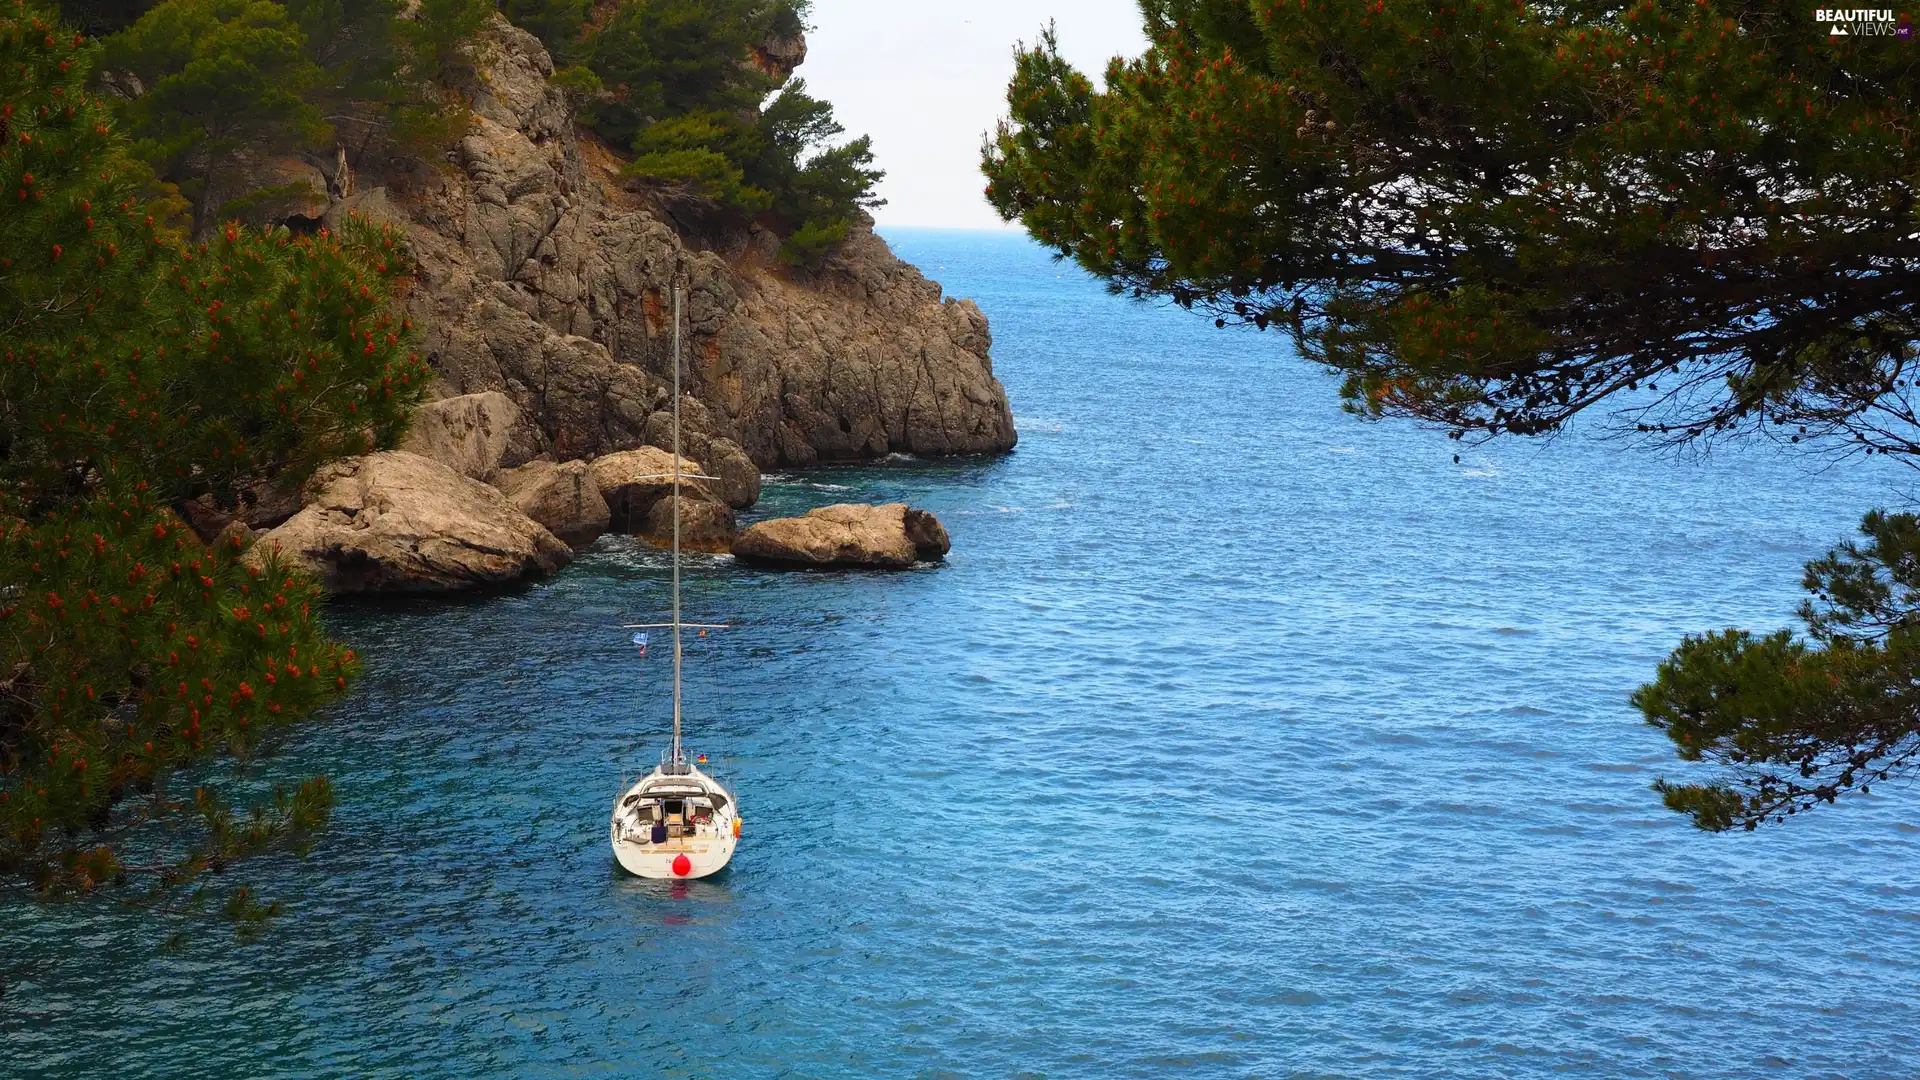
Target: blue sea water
point(1237, 738)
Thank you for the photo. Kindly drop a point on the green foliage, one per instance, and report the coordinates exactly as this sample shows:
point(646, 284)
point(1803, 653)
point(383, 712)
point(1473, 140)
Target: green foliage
point(1797, 723)
point(817, 185)
point(642, 40)
point(97, 17)
point(579, 83)
point(389, 67)
point(665, 58)
point(73, 240)
point(437, 39)
point(226, 81)
point(788, 18)
point(1496, 215)
point(812, 240)
point(558, 24)
point(364, 79)
point(254, 358)
point(200, 369)
point(134, 652)
point(235, 86)
point(682, 83)
point(136, 371)
point(271, 203)
point(702, 149)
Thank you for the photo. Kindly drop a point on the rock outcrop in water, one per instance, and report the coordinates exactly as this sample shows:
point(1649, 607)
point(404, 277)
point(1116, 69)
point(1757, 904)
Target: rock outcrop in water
point(542, 277)
point(889, 537)
point(399, 522)
point(563, 497)
point(632, 481)
point(705, 525)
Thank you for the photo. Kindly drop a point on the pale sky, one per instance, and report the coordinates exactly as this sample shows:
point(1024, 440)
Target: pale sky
point(926, 77)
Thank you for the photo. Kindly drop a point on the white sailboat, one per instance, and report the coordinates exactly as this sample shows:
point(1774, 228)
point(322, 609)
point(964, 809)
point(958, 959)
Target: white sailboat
point(677, 821)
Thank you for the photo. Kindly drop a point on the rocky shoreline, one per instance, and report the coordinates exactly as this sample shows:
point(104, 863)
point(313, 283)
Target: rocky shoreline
point(540, 289)
point(404, 522)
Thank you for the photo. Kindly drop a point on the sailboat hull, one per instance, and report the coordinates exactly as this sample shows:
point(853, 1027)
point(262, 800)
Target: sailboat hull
point(656, 860)
point(698, 843)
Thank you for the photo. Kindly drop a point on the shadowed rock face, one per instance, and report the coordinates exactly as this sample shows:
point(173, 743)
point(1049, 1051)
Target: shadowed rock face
point(889, 537)
point(540, 277)
point(399, 522)
point(927, 535)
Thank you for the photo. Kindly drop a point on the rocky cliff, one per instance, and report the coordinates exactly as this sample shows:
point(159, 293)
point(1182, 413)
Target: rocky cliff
point(541, 276)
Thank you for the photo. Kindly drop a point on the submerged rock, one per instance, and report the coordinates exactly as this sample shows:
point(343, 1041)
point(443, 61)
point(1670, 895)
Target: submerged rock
point(399, 522)
point(562, 497)
point(890, 537)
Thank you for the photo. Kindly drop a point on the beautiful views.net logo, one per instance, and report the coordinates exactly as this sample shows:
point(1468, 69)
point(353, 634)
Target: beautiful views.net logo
point(1865, 22)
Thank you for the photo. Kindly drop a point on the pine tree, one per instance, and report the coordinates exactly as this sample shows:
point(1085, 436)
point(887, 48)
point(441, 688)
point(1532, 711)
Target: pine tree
point(227, 84)
point(1494, 216)
point(817, 186)
point(1796, 723)
point(667, 58)
point(676, 80)
point(133, 372)
point(233, 88)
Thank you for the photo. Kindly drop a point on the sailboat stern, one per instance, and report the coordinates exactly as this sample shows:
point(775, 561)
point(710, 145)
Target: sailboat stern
point(674, 826)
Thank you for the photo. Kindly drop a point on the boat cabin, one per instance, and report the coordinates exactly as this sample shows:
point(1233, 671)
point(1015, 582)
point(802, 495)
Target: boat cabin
point(665, 812)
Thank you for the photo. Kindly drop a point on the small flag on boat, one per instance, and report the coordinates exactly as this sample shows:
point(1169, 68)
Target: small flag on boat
point(703, 759)
point(640, 639)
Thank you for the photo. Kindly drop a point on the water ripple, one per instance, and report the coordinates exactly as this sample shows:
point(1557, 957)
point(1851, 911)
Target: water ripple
point(1236, 739)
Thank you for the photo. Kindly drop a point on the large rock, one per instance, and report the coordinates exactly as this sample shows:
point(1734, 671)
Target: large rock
point(736, 478)
point(562, 497)
point(399, 522)
point(544, 274)
point(633, 480)
point(892, 537)
point(475, 435)
point(704, 525)
point(270, 502)
point(779, 55)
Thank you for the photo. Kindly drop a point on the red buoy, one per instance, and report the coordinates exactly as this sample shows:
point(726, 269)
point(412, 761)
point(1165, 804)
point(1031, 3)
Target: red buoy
point(682, 866)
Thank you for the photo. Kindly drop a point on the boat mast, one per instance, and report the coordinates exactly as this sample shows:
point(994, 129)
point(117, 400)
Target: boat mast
point(677, 759)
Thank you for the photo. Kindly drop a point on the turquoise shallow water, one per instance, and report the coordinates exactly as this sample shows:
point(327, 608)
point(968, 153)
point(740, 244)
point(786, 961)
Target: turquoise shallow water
point(1237, 738)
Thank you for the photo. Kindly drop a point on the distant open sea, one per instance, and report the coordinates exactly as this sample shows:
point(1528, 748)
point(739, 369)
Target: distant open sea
point(1237, 738)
